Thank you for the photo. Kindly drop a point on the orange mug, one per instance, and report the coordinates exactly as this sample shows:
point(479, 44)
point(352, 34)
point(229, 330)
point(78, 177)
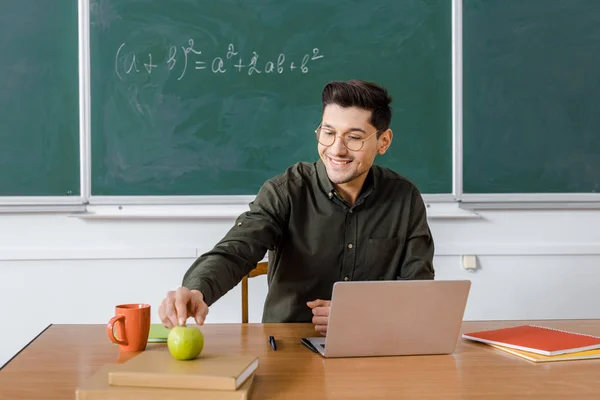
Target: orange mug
point(132, 323)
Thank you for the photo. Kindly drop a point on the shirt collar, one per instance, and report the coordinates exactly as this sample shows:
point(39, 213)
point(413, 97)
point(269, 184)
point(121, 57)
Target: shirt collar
point(327, 186)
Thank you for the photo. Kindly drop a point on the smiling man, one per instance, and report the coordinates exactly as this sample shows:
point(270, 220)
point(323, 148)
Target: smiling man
point(340, 218)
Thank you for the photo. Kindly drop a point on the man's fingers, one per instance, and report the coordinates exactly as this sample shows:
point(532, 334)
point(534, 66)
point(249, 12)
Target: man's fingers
point(181, 302)
point(197, 306)
point(321, 311)
point(316, 303)
point(166, 322)
point(178, 306)
point(201, 313)
point(319, 303)
point(169, 312)
point(322, 329)
point(161, 310)
point(163, 315)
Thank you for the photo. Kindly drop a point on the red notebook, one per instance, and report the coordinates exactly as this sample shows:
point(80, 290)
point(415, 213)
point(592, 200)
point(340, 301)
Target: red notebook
point(537, 339)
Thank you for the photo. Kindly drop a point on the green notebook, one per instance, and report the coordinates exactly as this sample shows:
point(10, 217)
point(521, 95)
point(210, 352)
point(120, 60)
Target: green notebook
point(158, 333)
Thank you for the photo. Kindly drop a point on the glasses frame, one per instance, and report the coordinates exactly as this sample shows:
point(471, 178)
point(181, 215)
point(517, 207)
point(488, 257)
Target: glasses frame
point(362, 144)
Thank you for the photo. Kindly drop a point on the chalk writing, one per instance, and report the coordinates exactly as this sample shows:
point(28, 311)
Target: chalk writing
point(184, 58)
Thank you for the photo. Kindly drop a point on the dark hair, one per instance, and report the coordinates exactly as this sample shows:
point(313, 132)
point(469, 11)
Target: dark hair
point(365, 95)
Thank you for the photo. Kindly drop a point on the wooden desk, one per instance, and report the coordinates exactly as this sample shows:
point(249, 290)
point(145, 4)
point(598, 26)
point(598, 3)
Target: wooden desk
point(56, 362)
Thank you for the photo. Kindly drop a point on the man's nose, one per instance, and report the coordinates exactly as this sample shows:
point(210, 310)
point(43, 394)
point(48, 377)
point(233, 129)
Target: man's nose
point(338, 146)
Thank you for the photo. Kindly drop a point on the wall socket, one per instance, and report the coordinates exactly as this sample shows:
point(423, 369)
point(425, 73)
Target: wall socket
point(469, 262)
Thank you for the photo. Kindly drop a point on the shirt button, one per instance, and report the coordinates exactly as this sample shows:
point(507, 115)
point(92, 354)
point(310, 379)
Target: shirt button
point(350, 245)
point(330, 195)
point(346, 278)
point(239, 224)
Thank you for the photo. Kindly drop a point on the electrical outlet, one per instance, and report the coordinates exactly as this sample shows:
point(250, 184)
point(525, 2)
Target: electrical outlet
point(469, 262)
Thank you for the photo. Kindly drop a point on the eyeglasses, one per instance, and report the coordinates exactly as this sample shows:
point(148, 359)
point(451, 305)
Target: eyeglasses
point(351, 141)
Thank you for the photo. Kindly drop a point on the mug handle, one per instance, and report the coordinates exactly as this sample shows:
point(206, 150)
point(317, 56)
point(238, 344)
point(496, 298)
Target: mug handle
point(110, 331)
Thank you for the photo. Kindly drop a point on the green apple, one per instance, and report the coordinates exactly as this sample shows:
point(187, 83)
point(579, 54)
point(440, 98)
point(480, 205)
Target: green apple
point(185, 342)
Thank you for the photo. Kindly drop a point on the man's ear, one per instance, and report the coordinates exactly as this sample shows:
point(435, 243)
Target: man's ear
point(384, 141)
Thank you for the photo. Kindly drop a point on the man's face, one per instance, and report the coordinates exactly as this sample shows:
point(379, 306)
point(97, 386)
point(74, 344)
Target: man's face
point(344, 165)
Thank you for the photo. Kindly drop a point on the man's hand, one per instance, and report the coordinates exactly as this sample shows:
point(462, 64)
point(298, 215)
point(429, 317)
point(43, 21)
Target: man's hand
point(178, 306)
point(320, 310)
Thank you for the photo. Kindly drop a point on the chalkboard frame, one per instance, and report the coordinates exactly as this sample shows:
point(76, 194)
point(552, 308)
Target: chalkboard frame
point(79, 203)
point(50, 203)
point(506, 200)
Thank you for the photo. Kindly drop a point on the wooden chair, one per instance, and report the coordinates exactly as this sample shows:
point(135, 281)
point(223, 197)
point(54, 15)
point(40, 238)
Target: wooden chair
point(261, 269)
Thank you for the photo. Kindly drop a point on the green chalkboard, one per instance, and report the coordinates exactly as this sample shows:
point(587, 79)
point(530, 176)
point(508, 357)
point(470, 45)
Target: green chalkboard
point(39, 111)
point(214, 97)
point(531, 96)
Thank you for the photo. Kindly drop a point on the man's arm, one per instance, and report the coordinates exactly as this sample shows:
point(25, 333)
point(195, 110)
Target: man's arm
point(417, 262)
point(256, 231)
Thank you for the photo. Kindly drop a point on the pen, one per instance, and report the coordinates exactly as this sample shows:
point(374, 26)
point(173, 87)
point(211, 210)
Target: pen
point(272, 341)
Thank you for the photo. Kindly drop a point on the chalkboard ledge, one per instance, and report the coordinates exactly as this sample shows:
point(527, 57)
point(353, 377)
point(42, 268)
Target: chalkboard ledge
point(520, 205)
point(533, 199)
point(450, 210)
point(225, 211)
point(41, 209)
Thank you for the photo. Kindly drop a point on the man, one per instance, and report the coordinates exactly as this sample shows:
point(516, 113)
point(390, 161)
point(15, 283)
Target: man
point(340, 218)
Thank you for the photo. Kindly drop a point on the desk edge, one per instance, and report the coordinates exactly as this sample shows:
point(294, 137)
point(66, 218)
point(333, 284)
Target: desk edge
point(24, 347)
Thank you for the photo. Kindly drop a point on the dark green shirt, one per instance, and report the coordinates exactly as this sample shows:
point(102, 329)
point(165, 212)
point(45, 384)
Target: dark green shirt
point(314, 238)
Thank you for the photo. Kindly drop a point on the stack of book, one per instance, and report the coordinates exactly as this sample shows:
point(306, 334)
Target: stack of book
point(539, 344)
point(155, 374)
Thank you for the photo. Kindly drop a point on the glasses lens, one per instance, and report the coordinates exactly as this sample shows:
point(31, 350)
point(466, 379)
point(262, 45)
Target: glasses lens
point(325, 138)
point(353, 145)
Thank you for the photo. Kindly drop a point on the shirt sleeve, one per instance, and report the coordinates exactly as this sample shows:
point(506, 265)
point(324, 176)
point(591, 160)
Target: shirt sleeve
point(235, 255)
point(417, 262)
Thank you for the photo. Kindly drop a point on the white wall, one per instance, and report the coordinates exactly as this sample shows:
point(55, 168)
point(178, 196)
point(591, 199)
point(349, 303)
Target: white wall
point(56, 268)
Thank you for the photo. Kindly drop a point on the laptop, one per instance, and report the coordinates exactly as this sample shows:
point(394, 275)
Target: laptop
point(392, 318)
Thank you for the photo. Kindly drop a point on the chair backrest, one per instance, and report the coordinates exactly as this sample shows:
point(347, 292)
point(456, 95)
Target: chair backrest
point(261, 269)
